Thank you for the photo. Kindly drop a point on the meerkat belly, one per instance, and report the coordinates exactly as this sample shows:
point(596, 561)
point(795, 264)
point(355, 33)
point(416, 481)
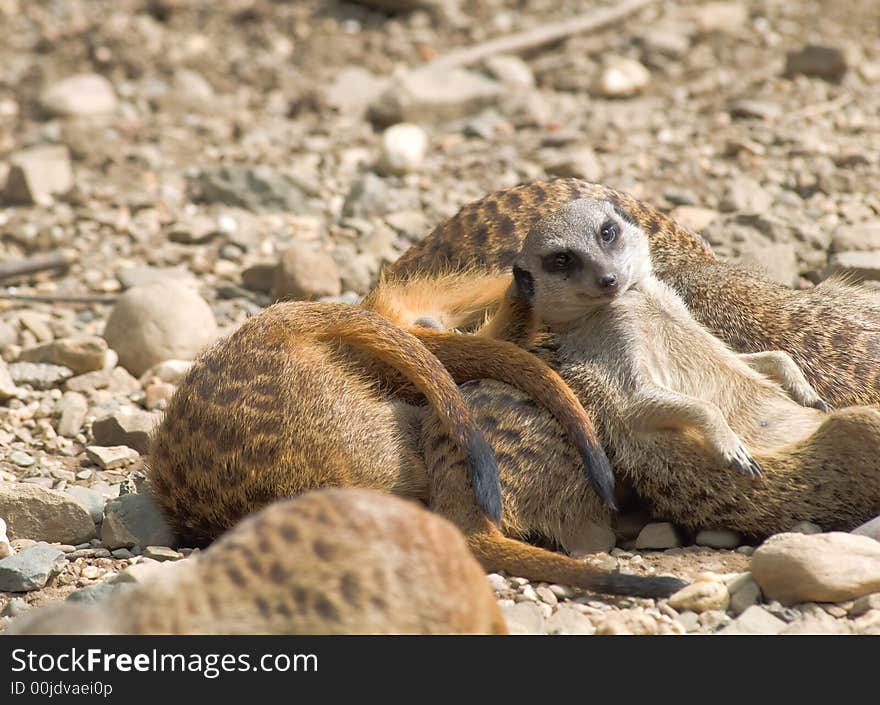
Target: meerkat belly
point(679, 354)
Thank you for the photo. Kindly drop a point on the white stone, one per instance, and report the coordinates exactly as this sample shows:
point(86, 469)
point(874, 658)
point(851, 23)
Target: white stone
point(622, 78)
point(403, 148)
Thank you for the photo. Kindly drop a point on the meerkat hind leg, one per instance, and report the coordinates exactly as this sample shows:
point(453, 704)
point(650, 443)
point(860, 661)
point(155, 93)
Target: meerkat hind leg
point(659, 409)
point(779, 366)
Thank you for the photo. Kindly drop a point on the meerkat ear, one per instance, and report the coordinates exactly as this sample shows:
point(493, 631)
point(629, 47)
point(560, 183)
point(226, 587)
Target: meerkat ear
point(624, 214)
point(525, 282)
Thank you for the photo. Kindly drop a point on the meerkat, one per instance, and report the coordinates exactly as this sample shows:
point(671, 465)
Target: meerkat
point(673, 404)
point(279, 408)
point(832, 332)
point(333, 561)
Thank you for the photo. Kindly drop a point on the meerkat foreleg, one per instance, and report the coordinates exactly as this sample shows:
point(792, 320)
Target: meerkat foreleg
point(655, 409)
point(779, 366)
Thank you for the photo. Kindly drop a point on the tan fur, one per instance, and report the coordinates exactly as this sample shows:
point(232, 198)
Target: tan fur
point(832, 331)
point(651, 375)
point(280, 408)
point(329, 562)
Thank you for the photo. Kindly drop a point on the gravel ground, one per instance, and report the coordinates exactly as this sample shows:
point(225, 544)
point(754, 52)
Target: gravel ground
point(239, 150)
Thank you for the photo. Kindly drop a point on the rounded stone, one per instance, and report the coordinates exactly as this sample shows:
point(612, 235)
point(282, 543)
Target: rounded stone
point(80, 95)
point(403, 148)
point(304, 273)
point(162, 321)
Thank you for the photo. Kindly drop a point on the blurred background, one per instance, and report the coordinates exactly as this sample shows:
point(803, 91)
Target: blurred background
point(212, 134)
point(175, 165)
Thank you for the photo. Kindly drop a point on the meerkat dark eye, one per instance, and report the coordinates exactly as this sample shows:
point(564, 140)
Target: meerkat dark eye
point(608, 232)
point(560, 262)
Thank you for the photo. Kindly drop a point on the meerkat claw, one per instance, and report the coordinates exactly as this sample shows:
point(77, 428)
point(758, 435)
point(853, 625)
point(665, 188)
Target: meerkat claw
point(743, 462)
point(821, 406)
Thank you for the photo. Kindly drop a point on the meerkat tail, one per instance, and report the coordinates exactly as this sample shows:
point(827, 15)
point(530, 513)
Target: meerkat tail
point(469, 357)
point(360, 328)
point(497, 552)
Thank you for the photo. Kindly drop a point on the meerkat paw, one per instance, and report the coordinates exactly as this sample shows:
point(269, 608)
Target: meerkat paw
point(739, 458)
point(805, 395)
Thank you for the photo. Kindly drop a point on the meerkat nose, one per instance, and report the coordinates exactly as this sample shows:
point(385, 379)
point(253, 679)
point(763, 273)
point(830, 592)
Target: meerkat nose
point(608, 281)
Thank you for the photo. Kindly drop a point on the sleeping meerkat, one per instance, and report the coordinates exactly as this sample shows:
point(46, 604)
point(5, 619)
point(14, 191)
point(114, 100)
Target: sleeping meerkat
point(628, 347)
point(333, 561)
point(307, 395)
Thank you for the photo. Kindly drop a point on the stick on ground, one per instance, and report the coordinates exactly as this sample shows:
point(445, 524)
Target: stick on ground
point(539, 36)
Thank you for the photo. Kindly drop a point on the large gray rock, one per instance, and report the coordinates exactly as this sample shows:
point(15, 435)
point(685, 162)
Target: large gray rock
point(162, 321)
point(34, 512)
point(30, 569)
point(778, 261)
point(79, 96)
point(37, 173)
point(433, 94)
point(306, 273)
point(833, 567)
point(257, 189)
point(126, 427)
point(131, 277)
point(134, 520)
point(91, 500)
point(82, 354)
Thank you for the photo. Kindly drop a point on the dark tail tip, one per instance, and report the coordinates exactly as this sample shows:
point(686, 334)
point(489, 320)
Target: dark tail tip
point(598, 469)
point(638, 585)
point(483, 473)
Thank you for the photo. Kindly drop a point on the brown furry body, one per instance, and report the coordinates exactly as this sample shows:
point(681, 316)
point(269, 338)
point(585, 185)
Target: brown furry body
point(329, 562)
point(640, 360)
point(832, 332)
point(280, 408)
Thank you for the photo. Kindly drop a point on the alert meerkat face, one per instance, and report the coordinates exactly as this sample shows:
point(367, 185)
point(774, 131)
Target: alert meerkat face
point(584, 254)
